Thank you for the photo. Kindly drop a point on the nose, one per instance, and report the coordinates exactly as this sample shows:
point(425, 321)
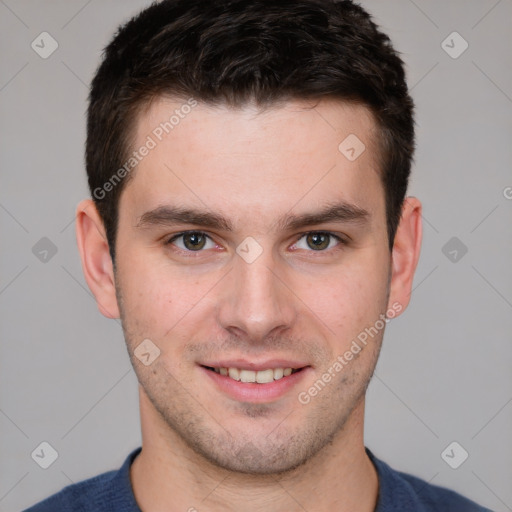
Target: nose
point(255, 301)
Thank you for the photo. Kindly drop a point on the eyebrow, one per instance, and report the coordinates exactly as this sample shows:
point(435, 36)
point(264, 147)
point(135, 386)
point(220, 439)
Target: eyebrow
point(341, 212)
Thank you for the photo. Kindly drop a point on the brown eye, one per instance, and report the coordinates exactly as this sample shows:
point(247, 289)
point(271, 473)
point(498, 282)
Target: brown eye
point(193, 241)
point(318, 241)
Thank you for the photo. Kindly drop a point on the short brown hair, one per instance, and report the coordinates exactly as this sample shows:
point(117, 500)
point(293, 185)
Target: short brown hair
point(235, 51)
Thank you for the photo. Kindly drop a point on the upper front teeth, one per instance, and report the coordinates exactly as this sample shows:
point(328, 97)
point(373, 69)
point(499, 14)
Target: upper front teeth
point(261, 376)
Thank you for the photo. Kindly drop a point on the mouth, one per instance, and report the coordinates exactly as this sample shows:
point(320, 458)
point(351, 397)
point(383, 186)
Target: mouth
point(257, 376)
point(255, 383)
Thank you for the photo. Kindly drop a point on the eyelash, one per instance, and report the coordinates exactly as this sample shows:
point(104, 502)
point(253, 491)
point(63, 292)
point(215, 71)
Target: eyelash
point(341, 241)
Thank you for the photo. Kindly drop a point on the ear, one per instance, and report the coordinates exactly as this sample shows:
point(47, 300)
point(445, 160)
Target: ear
point(96, 261)
point(405, 253)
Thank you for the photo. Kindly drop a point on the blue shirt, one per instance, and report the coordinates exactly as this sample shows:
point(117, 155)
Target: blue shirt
point(398, 492)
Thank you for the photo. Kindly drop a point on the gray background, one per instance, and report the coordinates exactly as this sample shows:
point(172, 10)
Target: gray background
point(445, 370)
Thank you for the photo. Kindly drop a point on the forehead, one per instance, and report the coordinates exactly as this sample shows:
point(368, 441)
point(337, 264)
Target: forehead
point(253, 161)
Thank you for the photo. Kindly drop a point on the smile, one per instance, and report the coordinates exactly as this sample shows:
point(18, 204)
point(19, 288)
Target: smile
point(260, 376)
point(243, 381)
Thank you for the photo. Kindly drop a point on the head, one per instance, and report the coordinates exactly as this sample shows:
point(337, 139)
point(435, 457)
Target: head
point(280, 136)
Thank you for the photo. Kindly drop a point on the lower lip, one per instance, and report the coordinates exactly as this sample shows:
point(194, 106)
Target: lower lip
point(254, 392)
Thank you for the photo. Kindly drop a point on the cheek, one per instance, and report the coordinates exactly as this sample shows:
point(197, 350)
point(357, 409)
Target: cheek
point(157, 299)
point(351, 299)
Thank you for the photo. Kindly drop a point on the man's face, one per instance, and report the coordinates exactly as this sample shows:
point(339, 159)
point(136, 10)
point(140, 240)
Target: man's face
point(257, 291)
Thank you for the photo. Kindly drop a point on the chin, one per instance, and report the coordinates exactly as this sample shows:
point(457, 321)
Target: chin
point(250, 460)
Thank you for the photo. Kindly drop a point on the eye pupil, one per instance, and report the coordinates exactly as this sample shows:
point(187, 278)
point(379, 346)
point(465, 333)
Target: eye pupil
point(318, 241)
point(194, 241)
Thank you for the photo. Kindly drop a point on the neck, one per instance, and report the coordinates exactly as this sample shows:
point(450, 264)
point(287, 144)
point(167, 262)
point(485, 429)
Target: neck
point(167, 473)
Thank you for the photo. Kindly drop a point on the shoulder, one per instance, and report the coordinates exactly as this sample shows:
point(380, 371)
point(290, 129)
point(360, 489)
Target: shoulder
point(400, 491)
point(108, 492)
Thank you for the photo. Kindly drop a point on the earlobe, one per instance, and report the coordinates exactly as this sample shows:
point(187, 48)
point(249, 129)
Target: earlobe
point(405, 253)
point(96, 261)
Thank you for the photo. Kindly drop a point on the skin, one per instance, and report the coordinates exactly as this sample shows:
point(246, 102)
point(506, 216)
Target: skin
point(202, 448)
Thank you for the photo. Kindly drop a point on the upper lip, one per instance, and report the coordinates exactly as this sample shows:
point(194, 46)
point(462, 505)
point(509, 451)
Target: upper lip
point(243, 364)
